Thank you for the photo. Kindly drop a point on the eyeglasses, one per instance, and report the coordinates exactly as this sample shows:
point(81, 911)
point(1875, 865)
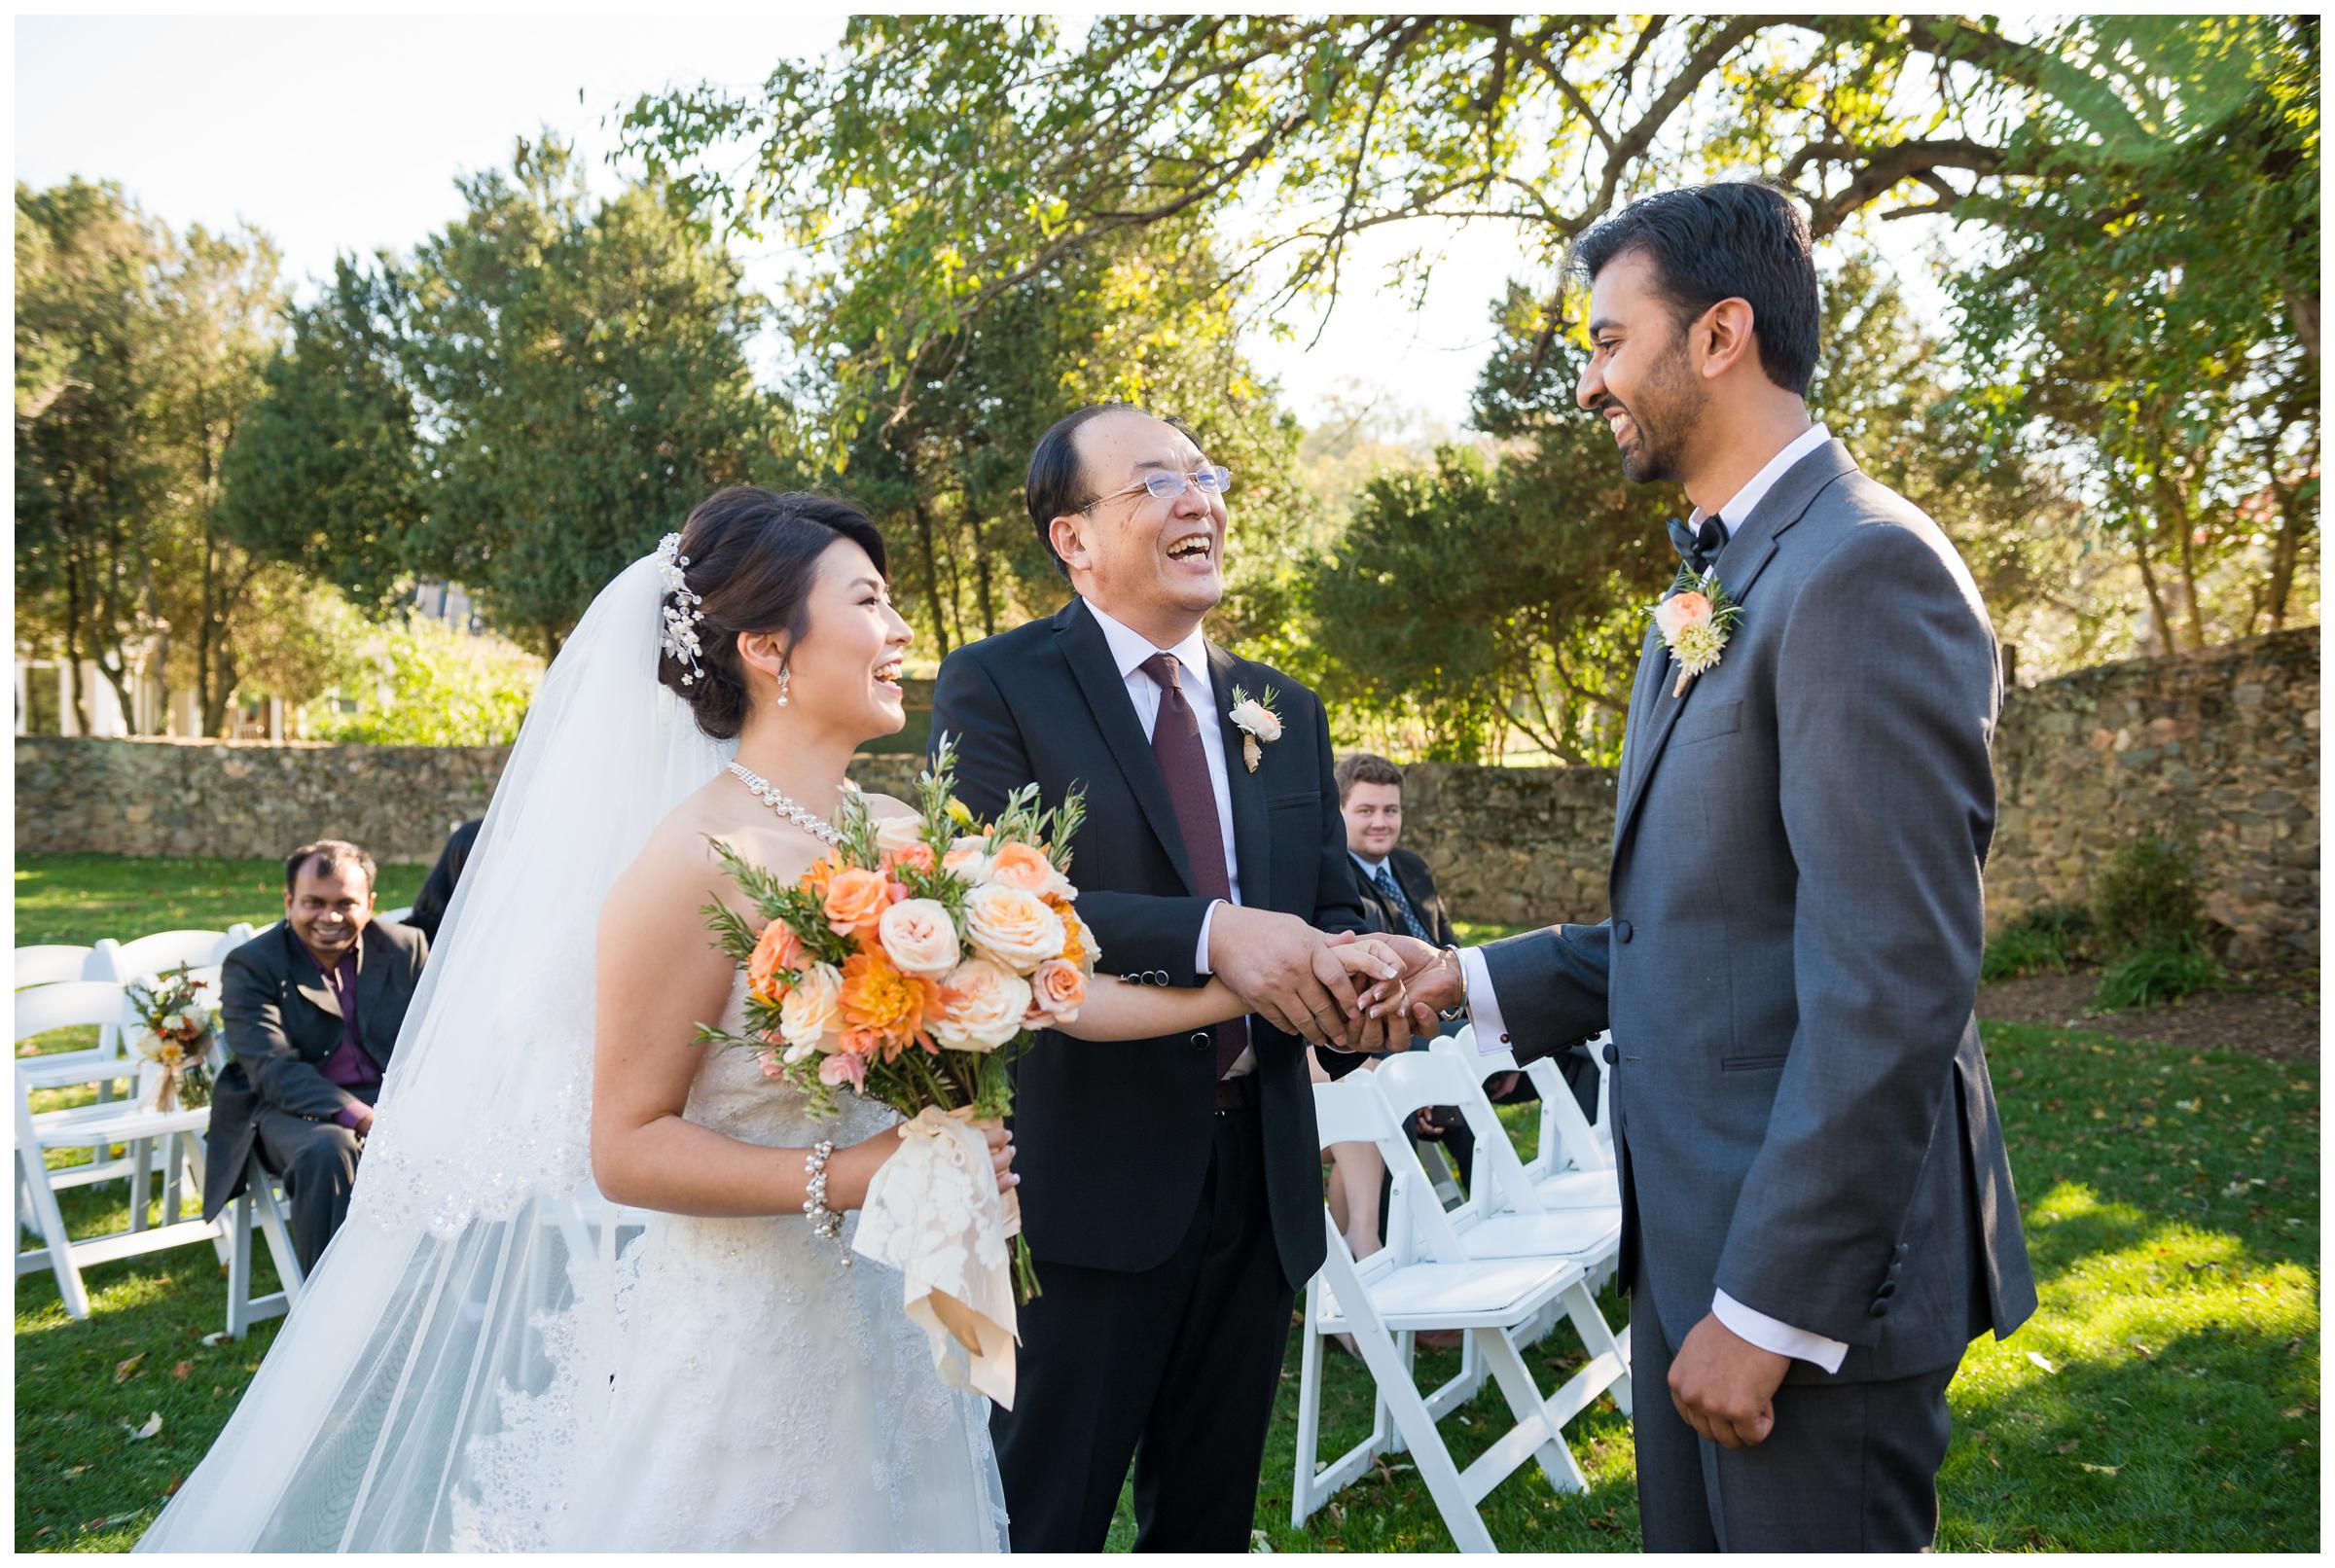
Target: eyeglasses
point(1212, 479)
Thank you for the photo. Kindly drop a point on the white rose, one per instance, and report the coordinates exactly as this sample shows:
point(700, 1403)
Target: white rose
point(895, 833)
point(1258, 720)
point(921, 937)
point(1013, 927)
point(813, 1010)
point(982, 1005)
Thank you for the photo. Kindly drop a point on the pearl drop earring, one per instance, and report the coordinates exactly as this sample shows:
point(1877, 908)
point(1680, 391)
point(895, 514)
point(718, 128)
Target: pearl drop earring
point(786, 678)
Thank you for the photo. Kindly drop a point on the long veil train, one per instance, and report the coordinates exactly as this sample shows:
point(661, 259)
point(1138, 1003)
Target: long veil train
point(469, 1299)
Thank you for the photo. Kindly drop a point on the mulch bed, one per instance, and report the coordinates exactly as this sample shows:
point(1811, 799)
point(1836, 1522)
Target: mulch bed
point(2269, 1013)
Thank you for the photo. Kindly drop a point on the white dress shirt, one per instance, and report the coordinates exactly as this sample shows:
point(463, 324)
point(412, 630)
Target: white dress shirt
point(1129, 650)
point(1484, 1008)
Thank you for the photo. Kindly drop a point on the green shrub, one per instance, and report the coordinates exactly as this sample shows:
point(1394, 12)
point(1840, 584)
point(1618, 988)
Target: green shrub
point(2050, 936)
point(2146, 896)
point(428, 685)
point(2163, 970)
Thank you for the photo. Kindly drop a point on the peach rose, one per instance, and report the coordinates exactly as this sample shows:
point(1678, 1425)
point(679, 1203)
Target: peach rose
point(813, 1010)
point(982, 1005)
point(856, 901)
point(920, 938)
point(968, 860)
point(1060, 990)
point(918, 854)
point(771, 1067)
point(894, 1007)
point(1013, 927)
point(1680, 611)
point(779, 949)
point(844, 1067)
point(1026, 867)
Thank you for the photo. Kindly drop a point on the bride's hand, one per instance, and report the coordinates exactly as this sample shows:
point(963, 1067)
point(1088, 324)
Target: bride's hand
point(1001, 1156)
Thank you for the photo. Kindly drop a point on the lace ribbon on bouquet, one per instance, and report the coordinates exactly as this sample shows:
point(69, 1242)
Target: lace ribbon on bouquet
point(933, 1212)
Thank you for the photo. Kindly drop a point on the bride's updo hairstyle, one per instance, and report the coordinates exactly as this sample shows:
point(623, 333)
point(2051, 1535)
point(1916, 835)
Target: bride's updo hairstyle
point(753, 556)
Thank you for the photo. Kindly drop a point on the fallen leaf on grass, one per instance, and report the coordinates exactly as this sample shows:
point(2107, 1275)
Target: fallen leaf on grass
point(181, 1369)
point(124, 1369)
point(153, 1425)
point(2068, 1446)
point(77, 1470)
point(2037, 1358)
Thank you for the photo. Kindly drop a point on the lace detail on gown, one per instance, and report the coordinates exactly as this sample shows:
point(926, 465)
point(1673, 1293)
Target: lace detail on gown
point(749, 1392)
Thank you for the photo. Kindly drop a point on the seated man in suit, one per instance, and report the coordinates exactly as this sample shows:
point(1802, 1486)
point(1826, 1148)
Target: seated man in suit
point(1400, 892)
point(438, 888)
point(311, 1010)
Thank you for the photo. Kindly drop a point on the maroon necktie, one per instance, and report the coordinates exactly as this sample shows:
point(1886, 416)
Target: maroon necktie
point(1184, 764)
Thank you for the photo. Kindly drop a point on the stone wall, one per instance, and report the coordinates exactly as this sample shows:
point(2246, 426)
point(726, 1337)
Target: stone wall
point(2222, 746)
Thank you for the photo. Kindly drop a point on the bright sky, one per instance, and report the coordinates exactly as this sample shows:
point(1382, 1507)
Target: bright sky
point(337, 134)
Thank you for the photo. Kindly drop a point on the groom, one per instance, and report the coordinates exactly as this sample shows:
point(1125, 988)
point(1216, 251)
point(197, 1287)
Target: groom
point(1818, 1207)
point(1172, 1187)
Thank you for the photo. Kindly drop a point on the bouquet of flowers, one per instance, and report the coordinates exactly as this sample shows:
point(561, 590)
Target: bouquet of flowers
point(908, 966)
point(175, 1025)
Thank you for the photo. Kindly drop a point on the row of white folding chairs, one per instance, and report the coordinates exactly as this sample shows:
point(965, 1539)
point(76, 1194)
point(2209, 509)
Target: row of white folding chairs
point(1522, 1248)
point(64, 987)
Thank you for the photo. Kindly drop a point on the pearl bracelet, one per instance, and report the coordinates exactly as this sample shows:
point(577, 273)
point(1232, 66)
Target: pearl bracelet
point(824, 1221)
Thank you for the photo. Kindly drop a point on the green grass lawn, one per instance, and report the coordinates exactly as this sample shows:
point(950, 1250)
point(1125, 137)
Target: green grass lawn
point(2164, 1398)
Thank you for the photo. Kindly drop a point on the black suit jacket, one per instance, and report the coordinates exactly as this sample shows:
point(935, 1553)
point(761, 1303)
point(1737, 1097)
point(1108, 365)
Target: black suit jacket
point(1113, 1139)
point(281, 1021)
point(1418, 883)
point(438, 888)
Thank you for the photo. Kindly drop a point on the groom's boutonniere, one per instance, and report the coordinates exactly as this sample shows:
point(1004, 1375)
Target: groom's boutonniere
point(1695, 618)
point(1258, 722)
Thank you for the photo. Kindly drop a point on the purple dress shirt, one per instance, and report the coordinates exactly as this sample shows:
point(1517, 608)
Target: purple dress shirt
point(348, 1066)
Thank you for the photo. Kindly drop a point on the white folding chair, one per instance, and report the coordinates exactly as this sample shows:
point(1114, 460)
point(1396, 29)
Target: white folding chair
point(47, 964)
point(262, 1198)
point(398, 916)
point(68, 1005)
point(1424, 1279)
point(1572, 1168)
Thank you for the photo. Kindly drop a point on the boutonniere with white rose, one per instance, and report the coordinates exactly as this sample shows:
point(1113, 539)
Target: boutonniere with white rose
point(1258, 720)
point(1696, 618)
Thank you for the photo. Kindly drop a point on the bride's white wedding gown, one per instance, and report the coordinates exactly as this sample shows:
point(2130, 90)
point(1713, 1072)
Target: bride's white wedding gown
point(766, 1397)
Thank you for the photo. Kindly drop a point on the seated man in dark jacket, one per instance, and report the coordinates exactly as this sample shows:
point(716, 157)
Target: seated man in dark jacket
point(311, 1010)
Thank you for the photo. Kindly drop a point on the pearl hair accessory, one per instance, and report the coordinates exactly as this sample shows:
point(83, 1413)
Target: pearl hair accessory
point(681, 612)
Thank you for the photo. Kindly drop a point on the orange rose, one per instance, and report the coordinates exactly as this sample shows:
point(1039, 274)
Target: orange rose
point(1077, 947)
point(1060, 990)
point(857, 899)
point(779, 949)
point(893, 1006)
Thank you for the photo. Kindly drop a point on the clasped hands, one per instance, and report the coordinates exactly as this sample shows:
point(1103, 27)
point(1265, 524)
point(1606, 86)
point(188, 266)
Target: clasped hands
point(1350, 991)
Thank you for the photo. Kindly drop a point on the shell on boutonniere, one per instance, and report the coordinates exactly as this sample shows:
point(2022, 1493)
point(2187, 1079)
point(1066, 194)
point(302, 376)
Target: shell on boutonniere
point(1259, 723)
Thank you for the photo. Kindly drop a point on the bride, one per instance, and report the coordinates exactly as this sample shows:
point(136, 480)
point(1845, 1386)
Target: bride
point(578, 1302)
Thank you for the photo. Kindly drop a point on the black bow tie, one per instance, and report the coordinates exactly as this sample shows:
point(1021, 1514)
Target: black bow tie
point(1700, 546)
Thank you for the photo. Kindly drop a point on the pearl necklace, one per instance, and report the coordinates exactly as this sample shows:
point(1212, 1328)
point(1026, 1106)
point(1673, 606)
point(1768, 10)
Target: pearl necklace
point(775, 799)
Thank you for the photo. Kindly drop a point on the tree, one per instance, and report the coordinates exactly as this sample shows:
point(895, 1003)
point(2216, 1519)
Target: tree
point(327, 473)
point(978, 152)
point(137, 354)
point(90, 475)
point(580, 375)
point(2157, 301)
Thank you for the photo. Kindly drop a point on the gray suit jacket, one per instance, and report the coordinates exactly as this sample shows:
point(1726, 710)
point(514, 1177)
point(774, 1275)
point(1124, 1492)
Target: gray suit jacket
point(1800, 1102)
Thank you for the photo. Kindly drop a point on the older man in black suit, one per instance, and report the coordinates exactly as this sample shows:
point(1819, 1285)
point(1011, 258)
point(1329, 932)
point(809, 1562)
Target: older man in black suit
point(311, 1008)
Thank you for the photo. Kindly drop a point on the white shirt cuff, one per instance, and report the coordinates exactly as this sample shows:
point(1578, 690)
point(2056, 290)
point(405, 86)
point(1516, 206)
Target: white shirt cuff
point(1781, 1338)
point(1483, 1008)
point(1199, 959)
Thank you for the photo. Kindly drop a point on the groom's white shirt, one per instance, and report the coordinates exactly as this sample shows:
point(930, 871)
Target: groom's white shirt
point(1484, 1007)
point(1129, 650)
